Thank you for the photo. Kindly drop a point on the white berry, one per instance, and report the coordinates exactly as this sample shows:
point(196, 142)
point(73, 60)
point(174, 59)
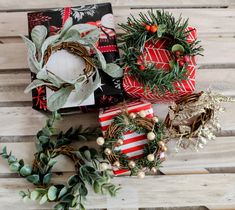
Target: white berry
point(151, 136)
point(141, 174)
point(103, 166)
point(100, 141)
point(142, 113)
point(155, 119)
point(132, 115)
point(107, 151)
point(150, 157)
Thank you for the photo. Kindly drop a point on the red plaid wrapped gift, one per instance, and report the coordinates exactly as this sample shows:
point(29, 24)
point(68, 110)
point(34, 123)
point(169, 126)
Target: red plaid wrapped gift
point(158, 54)
point(133, 142)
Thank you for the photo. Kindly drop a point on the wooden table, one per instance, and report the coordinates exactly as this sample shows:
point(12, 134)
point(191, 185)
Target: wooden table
point(189, 180)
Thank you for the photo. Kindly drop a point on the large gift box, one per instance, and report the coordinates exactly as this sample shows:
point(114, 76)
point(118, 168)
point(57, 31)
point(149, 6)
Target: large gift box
point(133, 142)
point(101, 16)
point(157, 54)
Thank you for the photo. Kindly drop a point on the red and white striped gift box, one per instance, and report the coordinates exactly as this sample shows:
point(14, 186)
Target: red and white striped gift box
point(158, 54)
point(133, 142)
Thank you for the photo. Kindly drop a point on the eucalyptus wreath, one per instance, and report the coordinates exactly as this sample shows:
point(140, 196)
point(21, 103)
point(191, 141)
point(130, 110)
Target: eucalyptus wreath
point(79, 39)
point(88, 166)
point(139, 123)
point(149, 28)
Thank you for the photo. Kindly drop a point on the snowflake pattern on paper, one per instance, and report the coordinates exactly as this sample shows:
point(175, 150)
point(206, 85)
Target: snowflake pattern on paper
point(37, 19)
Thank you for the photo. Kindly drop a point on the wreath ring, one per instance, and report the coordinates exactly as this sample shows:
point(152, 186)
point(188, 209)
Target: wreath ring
point(114, 139)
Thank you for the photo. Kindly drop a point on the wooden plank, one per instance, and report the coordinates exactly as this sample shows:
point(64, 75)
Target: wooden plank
point(166, 191)
point(13, 55)
point(26, 121)
point(215, 21)
point(12, 85)
point(217, 154)
point(16, 5)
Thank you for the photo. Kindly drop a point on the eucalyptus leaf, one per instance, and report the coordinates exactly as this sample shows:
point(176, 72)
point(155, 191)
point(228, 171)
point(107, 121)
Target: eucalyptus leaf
point(47, 178)
point(52, 162)
point(67, 198)
point(59, 206)
point(26, 170)
point(63, 191)
point(72, 180)
point(38, 35)
point(87, 155)
point(58, 99)
point(44, 199)
point(33, 178)
point(52, 193)
point(161, 29)
point(14, 166)
point(113, 70)
point(34, 195)
point(12, 159)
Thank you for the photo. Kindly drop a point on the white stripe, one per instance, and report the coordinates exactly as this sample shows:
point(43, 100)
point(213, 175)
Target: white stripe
point(132, 154)
point(131, 145)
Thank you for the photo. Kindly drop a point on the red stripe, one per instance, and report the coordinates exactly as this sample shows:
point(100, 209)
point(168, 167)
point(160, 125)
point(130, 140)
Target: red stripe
point(133, 149)
point(67, 12)
point(134, 139)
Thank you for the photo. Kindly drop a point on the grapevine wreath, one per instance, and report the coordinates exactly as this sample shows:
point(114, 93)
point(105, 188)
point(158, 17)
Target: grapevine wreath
point(149, 28)
point(89, 167)
point(193, 119)
point(138, 123)
point(80, 40)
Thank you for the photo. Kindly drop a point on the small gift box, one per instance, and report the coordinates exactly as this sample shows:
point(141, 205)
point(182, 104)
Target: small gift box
point(157, 53)
point(133, 142)
point(108, 90)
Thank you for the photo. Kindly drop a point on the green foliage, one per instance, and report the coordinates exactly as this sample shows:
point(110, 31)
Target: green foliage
point(133, 46)
point(73, 193)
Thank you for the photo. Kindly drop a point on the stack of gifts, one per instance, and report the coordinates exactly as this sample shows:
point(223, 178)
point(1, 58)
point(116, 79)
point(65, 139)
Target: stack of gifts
point(75, 65)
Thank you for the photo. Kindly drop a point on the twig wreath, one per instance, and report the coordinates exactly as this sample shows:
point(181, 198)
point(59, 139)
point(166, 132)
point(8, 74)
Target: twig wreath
point(138, 123)
point(193, 119)
point(80, 40)
point(149, 28)
point(89, 168)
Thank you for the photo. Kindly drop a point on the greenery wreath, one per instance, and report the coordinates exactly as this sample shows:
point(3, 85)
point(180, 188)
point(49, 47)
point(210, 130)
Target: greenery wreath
point(138, 123)
point(80, 40)
point(149, 28)
point(90, 168)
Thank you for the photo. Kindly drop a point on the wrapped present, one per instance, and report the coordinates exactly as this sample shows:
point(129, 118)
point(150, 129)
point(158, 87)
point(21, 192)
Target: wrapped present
point(159, 56)
point(108, 91)
point(133, 142)
point(156, 53)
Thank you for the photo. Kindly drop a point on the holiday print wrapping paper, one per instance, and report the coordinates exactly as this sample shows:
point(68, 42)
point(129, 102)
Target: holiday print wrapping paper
point(133, 142)
point(99, 15)
point(158, 54)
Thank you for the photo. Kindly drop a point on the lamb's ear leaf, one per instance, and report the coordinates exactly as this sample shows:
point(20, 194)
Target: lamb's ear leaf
point(113, 70)
point(67, 25)
point(58, 99)
point(100, 57)
point(92, 37)
point(32, 61)
point(38, 35)
point(36, 83)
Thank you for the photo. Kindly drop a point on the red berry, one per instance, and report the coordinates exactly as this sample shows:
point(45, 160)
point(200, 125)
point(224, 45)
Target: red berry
point(141, 67)
point(153, 28)
point(147, 27)
point(177, 53)
point(186, 59)
point(139, 61)
point(181, 63)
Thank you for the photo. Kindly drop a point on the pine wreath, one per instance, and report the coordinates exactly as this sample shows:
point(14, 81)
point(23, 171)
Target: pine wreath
point(138, 123)
point(90, 169)
point(147, 29)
